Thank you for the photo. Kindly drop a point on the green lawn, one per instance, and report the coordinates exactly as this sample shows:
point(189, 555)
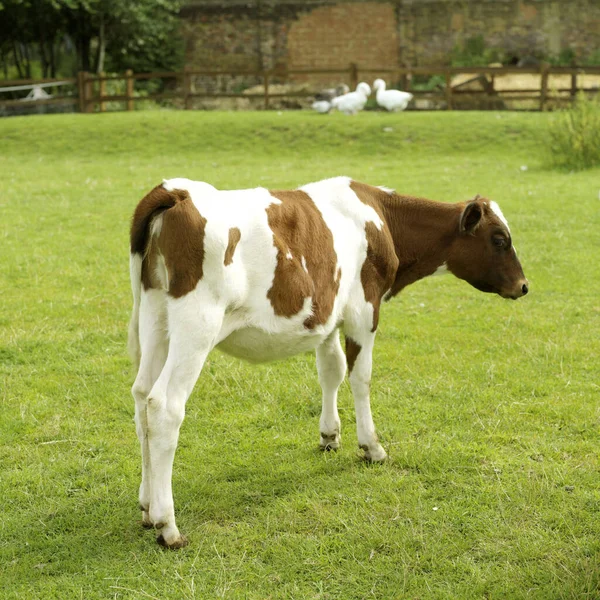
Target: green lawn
point(488, 408)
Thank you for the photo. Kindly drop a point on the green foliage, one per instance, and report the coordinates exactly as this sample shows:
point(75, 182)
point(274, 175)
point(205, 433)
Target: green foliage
point(487, 408)
point(565, 58)
point(143, 35)
point(474, 53)
point(428, 83)
point(593, 58)
point(574, 135)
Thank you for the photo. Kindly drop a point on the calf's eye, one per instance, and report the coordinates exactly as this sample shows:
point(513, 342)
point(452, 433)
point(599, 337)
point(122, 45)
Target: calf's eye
point(498, 241)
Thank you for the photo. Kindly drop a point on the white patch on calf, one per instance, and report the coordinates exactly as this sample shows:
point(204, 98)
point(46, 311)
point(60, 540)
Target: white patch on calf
point(496, 210)
point(387, 190)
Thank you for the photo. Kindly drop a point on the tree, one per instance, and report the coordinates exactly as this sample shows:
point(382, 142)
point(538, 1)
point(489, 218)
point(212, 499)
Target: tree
point(137, 34)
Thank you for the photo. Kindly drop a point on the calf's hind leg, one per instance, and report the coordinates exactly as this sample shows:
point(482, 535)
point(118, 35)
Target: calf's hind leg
point(153, 354)
point(193, 331)
point(331, 367)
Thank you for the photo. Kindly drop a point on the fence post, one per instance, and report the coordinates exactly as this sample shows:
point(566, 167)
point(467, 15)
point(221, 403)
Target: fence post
point(573, 86)
point(88, 95)
point(544, 86)
point(81, 90)
point(102, 91)
point(448, 91)
point(353, 75)
point(187, 89)
point(266, 84)
point(129, 88)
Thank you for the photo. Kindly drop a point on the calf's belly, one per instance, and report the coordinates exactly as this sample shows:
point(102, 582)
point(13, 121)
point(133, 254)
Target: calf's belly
point(256, 345)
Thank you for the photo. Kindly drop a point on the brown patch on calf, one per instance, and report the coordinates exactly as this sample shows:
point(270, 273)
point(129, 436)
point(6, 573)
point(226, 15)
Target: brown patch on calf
point(352, 352)
point(234, 238)
point(180, 241)
point(381, 264)
point(299, 229)
point(427, 234)
point(420, 232)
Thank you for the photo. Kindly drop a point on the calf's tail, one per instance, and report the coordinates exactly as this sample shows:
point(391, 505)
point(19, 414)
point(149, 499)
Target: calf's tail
point(154, 203)
point(133, 338)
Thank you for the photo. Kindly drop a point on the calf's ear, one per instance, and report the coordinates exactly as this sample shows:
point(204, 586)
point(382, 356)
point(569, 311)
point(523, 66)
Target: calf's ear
point(471, 216)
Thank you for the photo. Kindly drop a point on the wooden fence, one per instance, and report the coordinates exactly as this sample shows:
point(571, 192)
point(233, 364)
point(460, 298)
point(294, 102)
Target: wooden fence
point(90, 91)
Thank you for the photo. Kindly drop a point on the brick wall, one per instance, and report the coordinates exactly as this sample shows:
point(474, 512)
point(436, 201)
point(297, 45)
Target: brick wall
point(334, 33)
point(332, 36)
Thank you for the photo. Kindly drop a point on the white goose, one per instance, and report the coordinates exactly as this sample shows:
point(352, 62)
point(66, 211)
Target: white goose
point(351, 103)
point(322, 103)
point(393, 100)
point(321, 106)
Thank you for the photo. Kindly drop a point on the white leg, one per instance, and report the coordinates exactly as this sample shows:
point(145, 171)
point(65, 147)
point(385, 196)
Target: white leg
point(193, 330)
point(153, 346)
point(331, 366)
point(359, 355)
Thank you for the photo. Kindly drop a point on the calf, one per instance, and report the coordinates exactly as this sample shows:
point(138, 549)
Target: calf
point(263, 275)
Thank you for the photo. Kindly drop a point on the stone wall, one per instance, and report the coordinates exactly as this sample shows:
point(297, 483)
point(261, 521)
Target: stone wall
point(429, 30)
point(334, 33)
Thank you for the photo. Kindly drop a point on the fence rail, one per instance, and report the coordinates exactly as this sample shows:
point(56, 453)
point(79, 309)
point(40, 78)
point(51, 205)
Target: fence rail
point(89, 92)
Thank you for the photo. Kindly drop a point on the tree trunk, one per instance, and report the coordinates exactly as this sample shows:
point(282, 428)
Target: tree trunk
point(83, 41)
point(85, 54)
point(17, 59)
point(52, 60)
point(4, 65)
point(43, 57)
point(101, 52)
point(25, 51)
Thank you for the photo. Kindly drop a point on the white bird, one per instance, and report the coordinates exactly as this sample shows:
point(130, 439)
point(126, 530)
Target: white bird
point(321, 106)
point(330, 93)
point(393, 100)
point(322, 103)
point(351, 103)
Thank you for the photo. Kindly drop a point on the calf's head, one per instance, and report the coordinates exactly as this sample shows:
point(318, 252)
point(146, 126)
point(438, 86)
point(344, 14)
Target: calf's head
point(482, 252)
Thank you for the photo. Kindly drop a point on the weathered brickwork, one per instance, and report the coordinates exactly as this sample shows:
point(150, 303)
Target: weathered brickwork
point(332, 36)
point(428, 31)
point(334, 33)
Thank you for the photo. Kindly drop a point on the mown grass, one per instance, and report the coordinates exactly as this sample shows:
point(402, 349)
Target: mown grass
point(488, 408)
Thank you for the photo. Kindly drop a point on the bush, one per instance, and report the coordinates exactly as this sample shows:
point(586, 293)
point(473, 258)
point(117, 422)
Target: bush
point(574, 135)
point(593, 58)
point(565, 58)
point(428, 83)
point(474, 53)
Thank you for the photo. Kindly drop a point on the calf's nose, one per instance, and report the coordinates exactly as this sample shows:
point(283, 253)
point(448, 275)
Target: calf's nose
point(524, 289)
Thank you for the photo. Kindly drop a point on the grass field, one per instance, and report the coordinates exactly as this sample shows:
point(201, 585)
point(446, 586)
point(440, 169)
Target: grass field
point(488, 408)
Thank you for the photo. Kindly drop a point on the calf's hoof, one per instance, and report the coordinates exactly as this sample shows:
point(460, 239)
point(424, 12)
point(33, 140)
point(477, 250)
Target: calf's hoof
point(179, 542)
point(375, 454)
point(146, 522)
point(330, 441)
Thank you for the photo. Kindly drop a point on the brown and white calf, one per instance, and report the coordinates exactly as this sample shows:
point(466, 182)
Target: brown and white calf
point(266, 274)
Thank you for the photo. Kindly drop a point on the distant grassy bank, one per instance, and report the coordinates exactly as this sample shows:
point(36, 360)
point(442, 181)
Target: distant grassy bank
point(488, 408)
